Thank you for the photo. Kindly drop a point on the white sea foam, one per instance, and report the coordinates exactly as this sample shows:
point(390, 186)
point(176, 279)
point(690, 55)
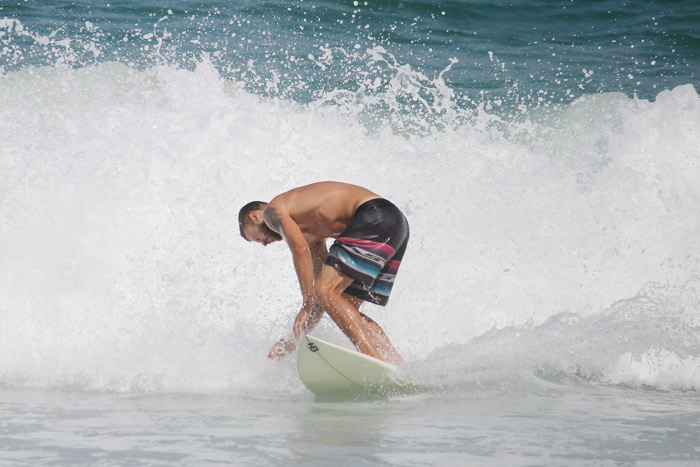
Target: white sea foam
point(650, 339)
point(122, 268)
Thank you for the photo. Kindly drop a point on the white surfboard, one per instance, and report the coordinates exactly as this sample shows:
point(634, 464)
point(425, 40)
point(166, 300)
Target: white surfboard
point(327, 369)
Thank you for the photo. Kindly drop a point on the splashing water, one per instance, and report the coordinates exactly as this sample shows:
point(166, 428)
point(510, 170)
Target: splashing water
point(126, 156)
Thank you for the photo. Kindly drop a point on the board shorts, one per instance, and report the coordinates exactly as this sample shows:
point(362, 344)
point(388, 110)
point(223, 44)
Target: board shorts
point(370, 250)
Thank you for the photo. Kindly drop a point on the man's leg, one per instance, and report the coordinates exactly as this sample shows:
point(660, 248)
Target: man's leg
point(381, 340)
point(377, 334)
point(328, 289)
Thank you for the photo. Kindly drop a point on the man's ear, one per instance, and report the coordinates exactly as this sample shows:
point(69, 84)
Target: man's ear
point(257, 216)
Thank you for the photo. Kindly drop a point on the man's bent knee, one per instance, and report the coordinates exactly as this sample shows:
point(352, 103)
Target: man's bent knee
point(330, 283)
point(324, 294)
point(333, 280)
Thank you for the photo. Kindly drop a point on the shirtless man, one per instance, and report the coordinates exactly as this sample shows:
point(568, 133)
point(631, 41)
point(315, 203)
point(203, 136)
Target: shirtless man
point(371, 237)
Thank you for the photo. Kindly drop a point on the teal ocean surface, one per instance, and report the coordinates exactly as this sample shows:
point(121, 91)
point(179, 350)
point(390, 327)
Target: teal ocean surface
point(546, 154)
point(527, 51)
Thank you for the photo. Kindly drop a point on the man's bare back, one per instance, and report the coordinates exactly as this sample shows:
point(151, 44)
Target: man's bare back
point(322, 210)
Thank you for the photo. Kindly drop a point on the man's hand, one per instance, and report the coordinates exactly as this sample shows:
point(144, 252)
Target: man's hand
point(281, 348)
point(307, 318)
point(300, 320)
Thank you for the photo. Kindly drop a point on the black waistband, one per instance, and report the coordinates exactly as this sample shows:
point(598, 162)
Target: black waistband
point(375, 203)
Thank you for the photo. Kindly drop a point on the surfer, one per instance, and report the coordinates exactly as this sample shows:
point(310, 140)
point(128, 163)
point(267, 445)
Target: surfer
point(370, 235)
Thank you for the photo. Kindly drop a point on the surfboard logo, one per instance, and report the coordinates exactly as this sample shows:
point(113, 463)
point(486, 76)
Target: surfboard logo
point(312, 347)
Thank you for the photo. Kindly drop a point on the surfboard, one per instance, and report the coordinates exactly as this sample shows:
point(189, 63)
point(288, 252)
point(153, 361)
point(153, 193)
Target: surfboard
point(327, 369)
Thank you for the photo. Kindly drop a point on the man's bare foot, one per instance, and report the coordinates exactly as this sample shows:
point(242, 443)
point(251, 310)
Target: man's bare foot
point(393, 357)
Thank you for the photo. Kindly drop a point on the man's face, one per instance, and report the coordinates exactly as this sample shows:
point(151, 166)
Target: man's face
point(259, 232)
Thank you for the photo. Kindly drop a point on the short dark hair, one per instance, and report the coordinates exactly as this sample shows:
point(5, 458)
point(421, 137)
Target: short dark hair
point(243, 218)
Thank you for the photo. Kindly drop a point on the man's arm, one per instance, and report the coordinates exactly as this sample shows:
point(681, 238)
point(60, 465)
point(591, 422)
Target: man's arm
point(278, 220)
point(319, 253)
point(310, 314)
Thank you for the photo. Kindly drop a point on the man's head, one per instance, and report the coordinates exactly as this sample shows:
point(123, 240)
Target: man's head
point(253, 226)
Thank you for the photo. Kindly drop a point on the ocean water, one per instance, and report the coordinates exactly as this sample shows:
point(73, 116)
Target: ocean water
point(546, 153)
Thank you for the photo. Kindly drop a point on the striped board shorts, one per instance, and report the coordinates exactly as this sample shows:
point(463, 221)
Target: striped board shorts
point(370, 250)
